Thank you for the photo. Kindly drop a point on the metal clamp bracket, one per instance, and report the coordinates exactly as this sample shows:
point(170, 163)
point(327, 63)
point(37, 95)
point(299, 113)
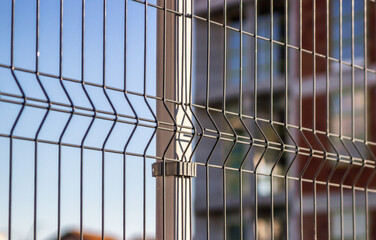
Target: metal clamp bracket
point(179, 169)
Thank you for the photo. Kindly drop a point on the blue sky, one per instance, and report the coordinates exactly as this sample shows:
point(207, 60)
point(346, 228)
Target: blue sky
point(23, 151)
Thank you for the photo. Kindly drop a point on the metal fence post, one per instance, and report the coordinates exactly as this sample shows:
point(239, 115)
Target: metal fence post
point(173, 179)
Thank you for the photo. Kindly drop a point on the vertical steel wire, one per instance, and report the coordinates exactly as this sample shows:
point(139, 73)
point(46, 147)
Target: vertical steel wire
point(327, 101)
point(241, 119)
point(255, 117)
point(300, 104)
point(365, 25)
point(114, 111)
point(314, 111)
point(41, 123)
point(91, 121)
point(224, 102)
point(14, 125)
point(286, 181)
point(353, 118)
point(67, 122)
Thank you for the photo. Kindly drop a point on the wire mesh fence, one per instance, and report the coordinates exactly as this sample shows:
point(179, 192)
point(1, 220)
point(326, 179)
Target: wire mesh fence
point(272, 101)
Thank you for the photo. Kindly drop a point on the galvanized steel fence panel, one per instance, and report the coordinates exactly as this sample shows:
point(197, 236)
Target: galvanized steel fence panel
point(259, 118)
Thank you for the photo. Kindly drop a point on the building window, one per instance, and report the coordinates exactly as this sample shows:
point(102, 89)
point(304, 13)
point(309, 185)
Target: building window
point(347, 228)
point(263, 55)
point(233, 55)
point(346, 30)
point(335, 112)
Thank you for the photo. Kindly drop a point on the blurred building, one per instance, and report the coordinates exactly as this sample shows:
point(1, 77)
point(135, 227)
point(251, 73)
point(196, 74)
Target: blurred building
point(75, 235)
point(235, 97)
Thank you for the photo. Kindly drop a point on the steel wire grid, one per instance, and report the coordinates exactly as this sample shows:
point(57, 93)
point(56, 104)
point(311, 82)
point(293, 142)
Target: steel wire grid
point(276, 158)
